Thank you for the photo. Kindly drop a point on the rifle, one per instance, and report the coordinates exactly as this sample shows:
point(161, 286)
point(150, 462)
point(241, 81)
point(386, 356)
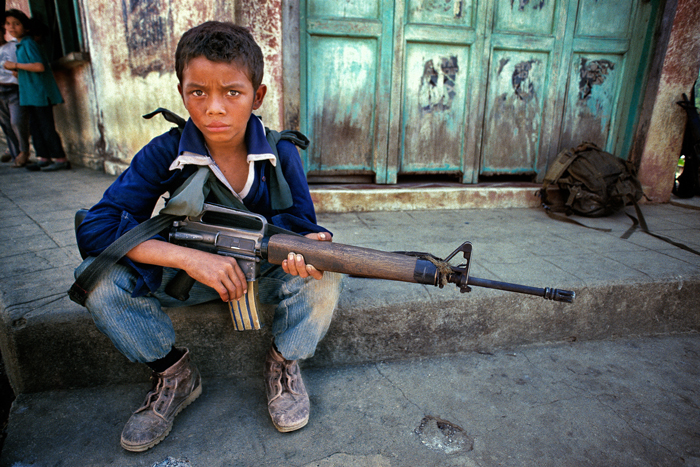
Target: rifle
point(249, 239)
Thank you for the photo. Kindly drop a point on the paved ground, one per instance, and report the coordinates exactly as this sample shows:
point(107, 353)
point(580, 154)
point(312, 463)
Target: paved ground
point(627, 402)
point(619, 387)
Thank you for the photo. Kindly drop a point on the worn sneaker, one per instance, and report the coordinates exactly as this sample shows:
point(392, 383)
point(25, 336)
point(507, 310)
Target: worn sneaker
point(173, 390)
point(54, 166)
point(37, 166)
point(287, 399)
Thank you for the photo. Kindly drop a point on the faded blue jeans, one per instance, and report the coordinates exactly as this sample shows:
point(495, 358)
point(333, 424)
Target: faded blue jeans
point(143, 332)
point(14, 120)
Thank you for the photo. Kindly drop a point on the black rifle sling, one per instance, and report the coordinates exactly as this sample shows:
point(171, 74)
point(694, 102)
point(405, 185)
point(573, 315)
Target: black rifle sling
point(113, 253)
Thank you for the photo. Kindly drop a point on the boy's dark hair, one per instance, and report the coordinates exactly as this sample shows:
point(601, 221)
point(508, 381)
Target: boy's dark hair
point(221, 42)
point(21, 17)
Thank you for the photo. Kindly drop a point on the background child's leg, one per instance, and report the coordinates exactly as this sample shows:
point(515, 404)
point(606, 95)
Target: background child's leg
point(6, 121)
point(20, 122)
point(304, 309)
point(41, 149)
point(43, 127)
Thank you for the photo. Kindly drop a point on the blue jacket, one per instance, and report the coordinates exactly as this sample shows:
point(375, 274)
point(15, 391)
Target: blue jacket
point(133, 196)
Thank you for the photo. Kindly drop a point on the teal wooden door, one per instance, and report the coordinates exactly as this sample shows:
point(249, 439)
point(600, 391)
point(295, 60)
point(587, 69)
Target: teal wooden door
point(464, 88)
point(602, 62)
point(345, 92)
point(520, 91)
point(436, 63)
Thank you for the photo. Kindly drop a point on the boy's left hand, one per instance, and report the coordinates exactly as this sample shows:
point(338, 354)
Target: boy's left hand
point(296, 265)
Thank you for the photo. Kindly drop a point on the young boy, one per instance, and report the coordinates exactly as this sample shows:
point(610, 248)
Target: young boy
point(219, 67)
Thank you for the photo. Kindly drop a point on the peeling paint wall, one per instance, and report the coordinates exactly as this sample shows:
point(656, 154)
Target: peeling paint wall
point(265, 21)
point(22, 5)
point(668, 120)
point(132, 44)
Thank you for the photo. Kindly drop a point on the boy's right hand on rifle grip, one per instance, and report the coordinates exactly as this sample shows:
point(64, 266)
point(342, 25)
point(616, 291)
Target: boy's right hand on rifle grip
point(222, 273)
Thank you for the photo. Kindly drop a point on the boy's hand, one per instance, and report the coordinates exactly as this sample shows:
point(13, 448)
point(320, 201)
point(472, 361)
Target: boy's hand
point(222, 273)
point(296, 265)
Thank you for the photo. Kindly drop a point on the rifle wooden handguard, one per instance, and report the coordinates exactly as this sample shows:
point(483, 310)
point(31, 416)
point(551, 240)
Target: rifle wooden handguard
point(347, 259)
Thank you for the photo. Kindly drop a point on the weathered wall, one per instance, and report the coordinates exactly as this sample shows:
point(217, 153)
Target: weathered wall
point(265, 20)
point(665, 135)
point(131, 72)
point(132, 46)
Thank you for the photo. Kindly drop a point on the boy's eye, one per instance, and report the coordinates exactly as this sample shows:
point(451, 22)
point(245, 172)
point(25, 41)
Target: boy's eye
point(197, 92)
point(233, 92)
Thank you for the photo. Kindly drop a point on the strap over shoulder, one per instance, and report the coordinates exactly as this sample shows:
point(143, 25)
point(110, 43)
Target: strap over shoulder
point(170, 116)
point(280, 193)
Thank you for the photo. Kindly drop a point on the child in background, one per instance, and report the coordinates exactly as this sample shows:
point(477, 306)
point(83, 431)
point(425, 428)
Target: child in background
point(13, 118)
point(38, 93)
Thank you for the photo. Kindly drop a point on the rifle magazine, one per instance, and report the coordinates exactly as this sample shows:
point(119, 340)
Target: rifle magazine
point(244, 311)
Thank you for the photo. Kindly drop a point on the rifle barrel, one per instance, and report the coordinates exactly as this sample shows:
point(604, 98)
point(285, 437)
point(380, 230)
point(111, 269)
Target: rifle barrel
point(557, 295)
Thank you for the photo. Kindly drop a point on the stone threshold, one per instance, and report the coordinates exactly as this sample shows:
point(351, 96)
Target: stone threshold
point(423, 196)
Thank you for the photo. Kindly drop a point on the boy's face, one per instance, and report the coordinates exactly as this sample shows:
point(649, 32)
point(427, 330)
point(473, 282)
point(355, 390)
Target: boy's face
point(219, 97)
point(14, 27)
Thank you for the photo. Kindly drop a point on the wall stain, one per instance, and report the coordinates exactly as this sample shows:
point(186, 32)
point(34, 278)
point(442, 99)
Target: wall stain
point(339, 132)
point(502, 63)
point(458, 9)
point(443, 7)
point(523, 3)
point(592, 73)
point(522, 84)
point(149, 28)
point(437, 86)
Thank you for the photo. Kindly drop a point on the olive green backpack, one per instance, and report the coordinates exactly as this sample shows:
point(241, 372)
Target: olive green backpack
point(595, 183)
point(591, 182)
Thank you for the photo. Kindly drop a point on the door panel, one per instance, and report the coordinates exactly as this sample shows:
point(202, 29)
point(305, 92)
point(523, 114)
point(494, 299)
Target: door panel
point(346, 48)
point(598, 67)
point(436, 43)
point(440, 12)
point(604, 18)
point(344, 9)
point(435, 84)
point(342, 103)
point(523, 16)
point(523, 47)
point(515, 103)
point(592, 99)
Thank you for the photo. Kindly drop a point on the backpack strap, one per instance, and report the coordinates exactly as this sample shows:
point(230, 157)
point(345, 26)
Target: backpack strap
point(562, 218)
point(557, 169)
point(562, 162)
point(280, 193)
point(642, 225)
